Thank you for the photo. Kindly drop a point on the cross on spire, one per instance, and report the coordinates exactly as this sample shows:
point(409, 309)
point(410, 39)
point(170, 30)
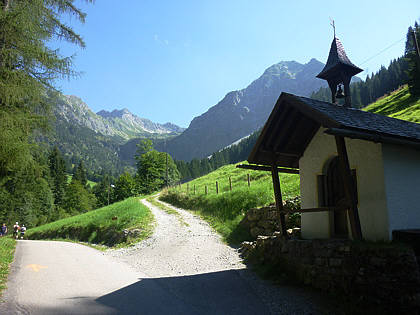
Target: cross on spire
point(332, 23)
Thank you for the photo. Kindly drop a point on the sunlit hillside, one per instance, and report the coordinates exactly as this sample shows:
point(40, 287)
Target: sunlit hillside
point(399, 104)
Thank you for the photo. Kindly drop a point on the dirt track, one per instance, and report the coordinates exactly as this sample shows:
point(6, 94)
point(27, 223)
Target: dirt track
point(185, 245)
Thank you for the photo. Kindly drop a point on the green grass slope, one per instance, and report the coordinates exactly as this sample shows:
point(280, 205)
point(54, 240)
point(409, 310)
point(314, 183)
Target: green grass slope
point(102, 226)
point(399, 104)
point(225, 210)
point(7, 250)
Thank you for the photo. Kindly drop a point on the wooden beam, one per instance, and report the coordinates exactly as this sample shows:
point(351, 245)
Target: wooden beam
point(320, 209)
point(267, 168)
point(373, 137)
point(349, 188)
point(278, 198)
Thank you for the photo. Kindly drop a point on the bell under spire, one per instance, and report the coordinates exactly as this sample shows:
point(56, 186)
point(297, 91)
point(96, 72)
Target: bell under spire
point(339, 70)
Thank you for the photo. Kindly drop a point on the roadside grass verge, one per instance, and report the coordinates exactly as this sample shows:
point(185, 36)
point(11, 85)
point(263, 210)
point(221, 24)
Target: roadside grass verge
point(226, 209)
point(7, 250)
point(103, 226)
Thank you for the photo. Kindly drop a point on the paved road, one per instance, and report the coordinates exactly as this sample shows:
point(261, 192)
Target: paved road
point(67, 278)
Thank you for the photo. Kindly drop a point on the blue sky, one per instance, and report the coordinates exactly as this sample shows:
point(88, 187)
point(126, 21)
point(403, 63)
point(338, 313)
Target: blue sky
point(172, 60)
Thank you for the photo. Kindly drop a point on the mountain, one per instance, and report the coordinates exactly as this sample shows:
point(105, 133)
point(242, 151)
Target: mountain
point(125, 123)
point(242, 112)
point(118, 123)
point(80, 134)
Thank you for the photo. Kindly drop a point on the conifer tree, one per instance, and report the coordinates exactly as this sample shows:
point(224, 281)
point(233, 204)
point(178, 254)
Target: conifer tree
point(413, 60)
point(58, 174)
point(80, 174)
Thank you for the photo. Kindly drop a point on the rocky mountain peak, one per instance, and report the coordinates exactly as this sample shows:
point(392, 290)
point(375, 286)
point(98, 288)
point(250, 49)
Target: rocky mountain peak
point(116, 113)
point(119, 122)
point(242, 112)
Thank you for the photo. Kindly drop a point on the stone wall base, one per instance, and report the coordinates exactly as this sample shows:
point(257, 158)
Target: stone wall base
point(383, 274)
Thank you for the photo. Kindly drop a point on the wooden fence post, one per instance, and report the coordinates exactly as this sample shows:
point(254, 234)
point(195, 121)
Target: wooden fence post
point(230, 183)
point(217, 187)
point(205, 189)
point(249, 180)
point(194, 189)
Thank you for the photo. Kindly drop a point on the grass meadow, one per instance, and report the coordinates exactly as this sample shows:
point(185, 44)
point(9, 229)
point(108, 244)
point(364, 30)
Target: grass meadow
point(226, 209)
point(102, 226)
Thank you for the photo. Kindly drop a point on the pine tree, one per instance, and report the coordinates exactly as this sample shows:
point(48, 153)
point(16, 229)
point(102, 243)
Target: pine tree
point(103, 191)
point(58, 175)
point(80, 174)
point(413, 60)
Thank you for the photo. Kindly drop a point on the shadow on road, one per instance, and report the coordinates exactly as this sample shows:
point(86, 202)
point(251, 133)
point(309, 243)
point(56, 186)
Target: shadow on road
point(224, 292)
point(211, 293)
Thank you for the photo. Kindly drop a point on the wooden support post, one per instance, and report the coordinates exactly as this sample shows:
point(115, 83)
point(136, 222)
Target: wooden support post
point(230, 183)
point(194, 189)
point(249, 180)
point(205, 189)
point(217, 187)
point(278, 198)
point(349, 186)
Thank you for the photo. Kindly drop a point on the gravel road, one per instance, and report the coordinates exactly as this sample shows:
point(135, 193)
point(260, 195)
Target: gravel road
point(186, 252)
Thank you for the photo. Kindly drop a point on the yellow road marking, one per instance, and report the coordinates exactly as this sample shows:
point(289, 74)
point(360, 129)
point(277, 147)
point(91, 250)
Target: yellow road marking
point(36, 267)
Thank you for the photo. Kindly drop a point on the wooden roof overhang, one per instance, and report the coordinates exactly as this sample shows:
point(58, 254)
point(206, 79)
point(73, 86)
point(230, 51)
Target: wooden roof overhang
point(287, 132)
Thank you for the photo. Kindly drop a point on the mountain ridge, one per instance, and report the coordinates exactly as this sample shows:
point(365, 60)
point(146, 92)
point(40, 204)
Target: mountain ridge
point(241, 112)
point(121, 123)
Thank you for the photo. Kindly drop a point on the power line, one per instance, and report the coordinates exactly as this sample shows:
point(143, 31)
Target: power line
point(383, 50)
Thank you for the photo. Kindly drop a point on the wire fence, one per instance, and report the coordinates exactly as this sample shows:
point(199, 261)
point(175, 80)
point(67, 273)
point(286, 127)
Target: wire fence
point(215, 187)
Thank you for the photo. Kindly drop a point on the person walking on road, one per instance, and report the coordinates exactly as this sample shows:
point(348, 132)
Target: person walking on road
point(3, 230)
point(22, 231)
point(16, 229)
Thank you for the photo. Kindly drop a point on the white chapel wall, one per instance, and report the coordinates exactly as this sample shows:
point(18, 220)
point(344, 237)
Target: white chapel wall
point(402, 182)
point(366, 158)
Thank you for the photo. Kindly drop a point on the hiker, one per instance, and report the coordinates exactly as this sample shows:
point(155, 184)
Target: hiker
point(22, 231)
point(3, 230)
point(16, 229)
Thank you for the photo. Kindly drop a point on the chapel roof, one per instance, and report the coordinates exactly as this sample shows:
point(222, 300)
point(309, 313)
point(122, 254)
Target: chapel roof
point(295, 120)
